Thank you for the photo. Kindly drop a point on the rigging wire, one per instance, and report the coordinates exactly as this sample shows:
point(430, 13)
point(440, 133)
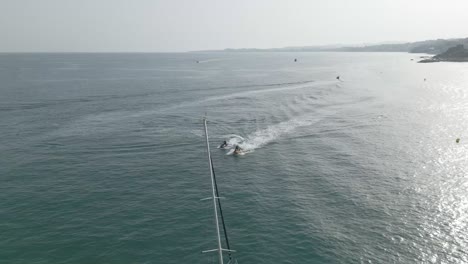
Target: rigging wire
point(221, 211)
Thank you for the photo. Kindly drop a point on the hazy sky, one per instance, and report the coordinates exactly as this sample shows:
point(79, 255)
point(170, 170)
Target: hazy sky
point(181, 25)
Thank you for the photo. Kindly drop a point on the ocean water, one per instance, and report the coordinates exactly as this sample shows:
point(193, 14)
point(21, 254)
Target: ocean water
point(103, 158)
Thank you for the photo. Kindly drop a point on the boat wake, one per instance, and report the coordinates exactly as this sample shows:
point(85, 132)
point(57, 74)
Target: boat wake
point(210, 60)
point(286, 87)
point(274, 88)
point(263, 137)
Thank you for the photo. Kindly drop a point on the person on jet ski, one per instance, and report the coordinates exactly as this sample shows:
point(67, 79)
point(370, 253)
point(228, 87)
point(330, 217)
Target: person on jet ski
point(237, 150)
point(224, 144)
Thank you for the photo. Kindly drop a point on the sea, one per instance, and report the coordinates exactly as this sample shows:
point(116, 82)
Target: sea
point(103, 158)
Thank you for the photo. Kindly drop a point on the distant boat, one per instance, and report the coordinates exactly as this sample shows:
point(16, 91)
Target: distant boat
point(217, 205)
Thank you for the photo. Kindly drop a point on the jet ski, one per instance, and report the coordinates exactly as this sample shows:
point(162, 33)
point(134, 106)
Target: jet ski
point(224, 145)
point(238, 151)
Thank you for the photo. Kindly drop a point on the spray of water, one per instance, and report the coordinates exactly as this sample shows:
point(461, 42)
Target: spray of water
point(263, 137)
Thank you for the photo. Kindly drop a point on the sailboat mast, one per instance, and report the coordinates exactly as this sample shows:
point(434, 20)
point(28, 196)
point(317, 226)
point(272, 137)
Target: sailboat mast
point(215, 205)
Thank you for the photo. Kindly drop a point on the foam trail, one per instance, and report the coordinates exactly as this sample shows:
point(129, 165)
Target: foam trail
point(289, 86)
point(210, 60)
point(265, 136)
point(282, 88)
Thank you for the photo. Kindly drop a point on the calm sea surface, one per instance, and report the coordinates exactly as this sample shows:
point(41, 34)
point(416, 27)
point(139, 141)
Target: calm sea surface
point(102, 157)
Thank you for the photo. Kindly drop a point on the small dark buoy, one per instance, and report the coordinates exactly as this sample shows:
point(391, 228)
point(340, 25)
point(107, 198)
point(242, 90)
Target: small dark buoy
point(458, 140)
point(198, 61)
point(424, 79)
point(338, 77)
point(295, 60)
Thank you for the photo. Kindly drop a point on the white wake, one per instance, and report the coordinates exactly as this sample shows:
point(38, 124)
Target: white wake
point(263, 137)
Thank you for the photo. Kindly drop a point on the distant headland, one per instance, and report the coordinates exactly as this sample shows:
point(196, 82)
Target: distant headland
point(455, 54)
point(443, 49)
